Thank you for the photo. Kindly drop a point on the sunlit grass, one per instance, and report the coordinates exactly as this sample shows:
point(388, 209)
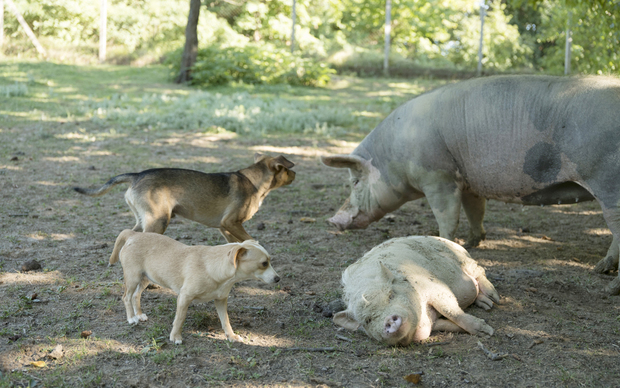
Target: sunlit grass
point(144, 98)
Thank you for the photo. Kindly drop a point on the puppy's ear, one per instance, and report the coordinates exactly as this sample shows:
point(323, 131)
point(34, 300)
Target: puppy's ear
point(258, 157)
point(236, 254)
point(276, 164)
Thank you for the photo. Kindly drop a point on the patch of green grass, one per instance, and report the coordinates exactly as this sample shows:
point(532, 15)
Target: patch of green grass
point(158, 330)
point(165, 356)
point(306, 328)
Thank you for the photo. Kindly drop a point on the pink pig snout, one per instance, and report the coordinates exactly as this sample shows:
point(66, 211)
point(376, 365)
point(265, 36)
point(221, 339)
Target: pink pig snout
point(350, 217)
point(392, 324)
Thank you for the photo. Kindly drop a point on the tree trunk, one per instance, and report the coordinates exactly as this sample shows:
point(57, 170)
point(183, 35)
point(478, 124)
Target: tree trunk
point(191, 43)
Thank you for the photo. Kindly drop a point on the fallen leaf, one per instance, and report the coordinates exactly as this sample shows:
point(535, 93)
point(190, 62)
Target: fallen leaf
point(38, 364)
point(310, 293)
point(414, 377)
point(546, 238)
point(307, 219)
point(86, 333)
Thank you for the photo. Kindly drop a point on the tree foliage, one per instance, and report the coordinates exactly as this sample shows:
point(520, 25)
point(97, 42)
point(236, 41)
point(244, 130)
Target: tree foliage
point(519, 34)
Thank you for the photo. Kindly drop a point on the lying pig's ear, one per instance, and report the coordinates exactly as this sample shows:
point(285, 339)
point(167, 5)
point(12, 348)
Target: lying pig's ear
point(346, 320)
point(386, 274)
point(353, 162)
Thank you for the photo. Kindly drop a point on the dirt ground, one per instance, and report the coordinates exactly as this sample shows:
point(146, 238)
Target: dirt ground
point(553, 328)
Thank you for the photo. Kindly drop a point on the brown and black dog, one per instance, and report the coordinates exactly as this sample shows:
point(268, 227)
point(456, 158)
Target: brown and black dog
point(219, 200)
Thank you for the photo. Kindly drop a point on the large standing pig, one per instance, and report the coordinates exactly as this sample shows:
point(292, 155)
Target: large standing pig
point(534, 140)
point(398, 291)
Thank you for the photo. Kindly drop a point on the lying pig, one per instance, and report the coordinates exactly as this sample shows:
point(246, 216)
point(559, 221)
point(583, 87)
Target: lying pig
point(533, 140)
point(399, 291)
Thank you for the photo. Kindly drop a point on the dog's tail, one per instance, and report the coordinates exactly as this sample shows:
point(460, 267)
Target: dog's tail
point(123, 178)
point(118, 245)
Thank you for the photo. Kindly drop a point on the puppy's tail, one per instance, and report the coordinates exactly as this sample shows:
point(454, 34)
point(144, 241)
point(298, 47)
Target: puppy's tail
point(118, 245)
point(123, 178)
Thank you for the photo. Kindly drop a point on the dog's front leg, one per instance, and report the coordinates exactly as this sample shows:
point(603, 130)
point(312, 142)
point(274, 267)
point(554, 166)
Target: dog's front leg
point(229, 237)
point(221, 305)
point(183, 303)
point(234, 230)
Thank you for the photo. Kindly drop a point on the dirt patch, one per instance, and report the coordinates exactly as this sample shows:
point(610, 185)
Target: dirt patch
point(554, 326)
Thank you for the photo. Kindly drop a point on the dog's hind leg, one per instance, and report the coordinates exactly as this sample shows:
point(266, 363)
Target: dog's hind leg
point(138, 227)
point(183, 303)
point(131, 286)
point(136, 300)
point(221, 305)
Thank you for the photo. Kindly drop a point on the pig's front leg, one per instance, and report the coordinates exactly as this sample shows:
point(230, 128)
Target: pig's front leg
point(444, 197)
point(474, 207)
point(610, 262)
point(446, 325)
point(448, 307)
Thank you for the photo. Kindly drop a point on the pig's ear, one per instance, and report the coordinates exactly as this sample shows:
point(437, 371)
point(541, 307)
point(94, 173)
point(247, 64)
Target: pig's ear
point(346, 320)
point(345, 161)
point(386, 274)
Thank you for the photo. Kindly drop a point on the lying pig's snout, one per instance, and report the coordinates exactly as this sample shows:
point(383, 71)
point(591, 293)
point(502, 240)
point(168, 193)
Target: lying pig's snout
point(392, 324)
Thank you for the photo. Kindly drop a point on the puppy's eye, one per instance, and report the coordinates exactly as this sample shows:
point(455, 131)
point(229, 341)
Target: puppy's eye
point(265, 264)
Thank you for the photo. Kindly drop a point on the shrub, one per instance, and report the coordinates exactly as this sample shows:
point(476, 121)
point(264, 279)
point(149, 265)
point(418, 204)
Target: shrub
point(256, 64)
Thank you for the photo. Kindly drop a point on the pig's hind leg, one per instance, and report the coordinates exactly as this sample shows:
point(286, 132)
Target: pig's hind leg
point(486, 294)
point(448, 307)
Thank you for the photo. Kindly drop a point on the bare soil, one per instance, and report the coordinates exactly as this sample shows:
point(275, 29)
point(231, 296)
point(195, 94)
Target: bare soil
point(554, 326)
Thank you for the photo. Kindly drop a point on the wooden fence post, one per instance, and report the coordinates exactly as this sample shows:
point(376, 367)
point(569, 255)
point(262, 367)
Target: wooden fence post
point(103, 26)
point(26, 27)
point(293, 16)
point(567, 47)
point(482, 15)
point(1, 23)
point(388, 32)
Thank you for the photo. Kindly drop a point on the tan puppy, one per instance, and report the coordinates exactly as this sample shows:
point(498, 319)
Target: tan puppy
point(218, 200)
point(202, 273)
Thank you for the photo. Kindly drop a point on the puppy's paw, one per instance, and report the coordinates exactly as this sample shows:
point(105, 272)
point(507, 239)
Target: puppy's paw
point(142, 317)
point(234, 338)
point(133, 320)
point(177, 339)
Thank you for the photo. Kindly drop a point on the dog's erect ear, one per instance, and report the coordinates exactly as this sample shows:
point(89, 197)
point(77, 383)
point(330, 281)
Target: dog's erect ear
point(259, 157)
point(235, 255)
point(276, 164)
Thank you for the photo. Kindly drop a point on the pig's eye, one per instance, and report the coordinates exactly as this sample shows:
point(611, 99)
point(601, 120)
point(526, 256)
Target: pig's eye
point(355, 182)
